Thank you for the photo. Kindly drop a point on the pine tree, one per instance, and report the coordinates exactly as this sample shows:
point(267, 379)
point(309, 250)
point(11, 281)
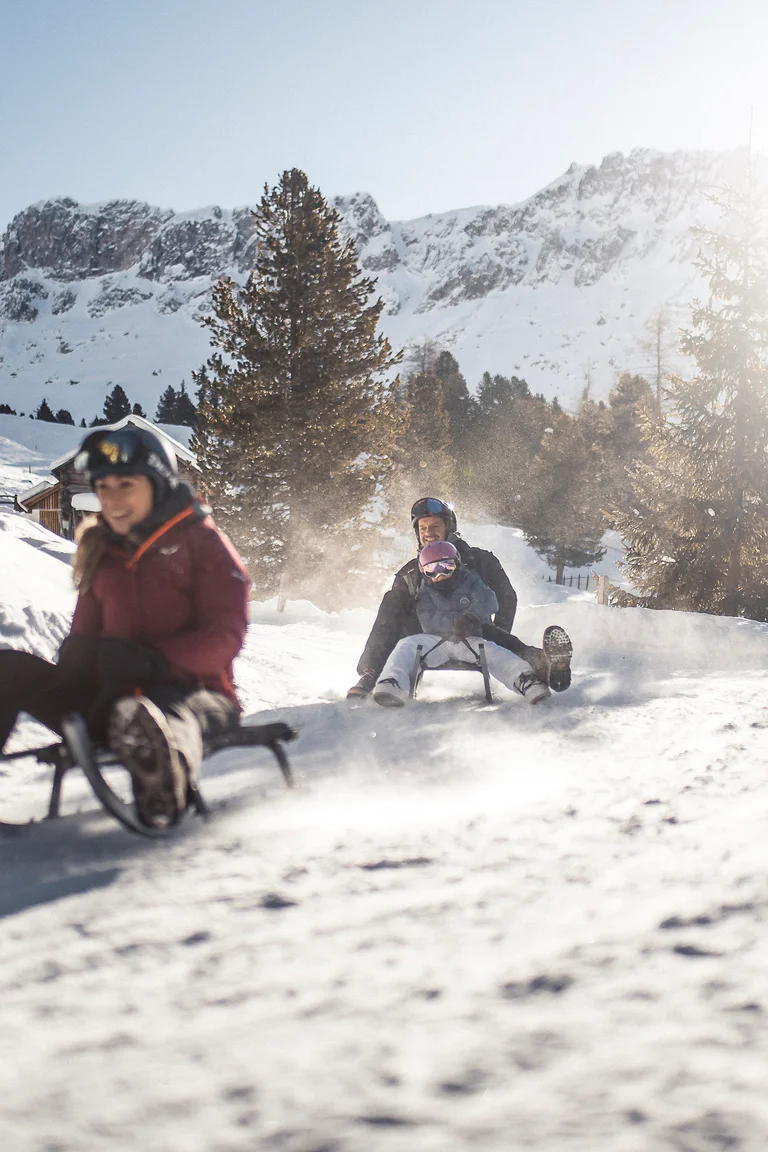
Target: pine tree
point(137, 410)
point(64, 416)
point(460, 406)
point(659, 346)
point(625, 445)
point(505, 439)
point(631, 395)
point(420, 356)
point(295, 420)
point(423, 461)
point(166, 408)
point(185, 413)
point(116, 406)
point(560, 509)
point(6, 410)
point(696, 532)
point(462, 412)
point(44, 413)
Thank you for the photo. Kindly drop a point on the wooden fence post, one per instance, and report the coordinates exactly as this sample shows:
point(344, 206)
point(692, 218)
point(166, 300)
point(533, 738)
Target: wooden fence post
point(281, 598)
point(602, 589)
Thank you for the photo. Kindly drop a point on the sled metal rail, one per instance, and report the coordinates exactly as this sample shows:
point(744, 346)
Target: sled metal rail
point(75, 750)
point(478, 663)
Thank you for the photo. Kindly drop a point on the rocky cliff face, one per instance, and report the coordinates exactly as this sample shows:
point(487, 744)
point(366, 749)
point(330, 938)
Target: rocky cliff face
point(83, 277)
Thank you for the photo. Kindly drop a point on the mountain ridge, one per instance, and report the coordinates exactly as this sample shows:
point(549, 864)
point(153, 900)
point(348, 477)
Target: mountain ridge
point(93, 295)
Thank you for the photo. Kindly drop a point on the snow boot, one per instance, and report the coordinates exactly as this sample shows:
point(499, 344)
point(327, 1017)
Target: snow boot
point(140, 737)
point(558, 651)
point(531, 689)
point(389, 694)
point(364, 686)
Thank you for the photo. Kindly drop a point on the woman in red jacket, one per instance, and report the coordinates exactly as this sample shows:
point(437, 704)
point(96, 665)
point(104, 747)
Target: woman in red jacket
point(160, 616)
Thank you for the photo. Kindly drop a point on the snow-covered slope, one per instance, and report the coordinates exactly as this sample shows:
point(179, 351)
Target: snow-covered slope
point(469, 927)
point(554, 289)
point(36, 593)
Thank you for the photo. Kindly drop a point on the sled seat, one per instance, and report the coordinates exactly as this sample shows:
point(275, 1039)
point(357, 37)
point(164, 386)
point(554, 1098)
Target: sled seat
point(475, 663)
point(75, 750)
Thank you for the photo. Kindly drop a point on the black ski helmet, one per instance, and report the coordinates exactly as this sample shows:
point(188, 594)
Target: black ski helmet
point(129, 451)
point(431, 506)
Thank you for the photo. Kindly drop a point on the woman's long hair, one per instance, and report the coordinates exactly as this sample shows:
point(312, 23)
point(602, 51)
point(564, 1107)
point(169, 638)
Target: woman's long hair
point(92, 538)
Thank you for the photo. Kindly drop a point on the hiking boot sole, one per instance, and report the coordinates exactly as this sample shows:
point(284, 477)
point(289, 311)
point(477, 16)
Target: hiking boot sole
point(140, 737)
point(558, 650)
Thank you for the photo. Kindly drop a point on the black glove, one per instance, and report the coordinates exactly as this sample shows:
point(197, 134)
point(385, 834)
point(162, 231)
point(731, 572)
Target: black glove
point(126, 663)
point(77, 656)
point(467, 625)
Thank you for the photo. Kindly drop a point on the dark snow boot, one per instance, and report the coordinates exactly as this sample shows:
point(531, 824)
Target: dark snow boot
point(140, 737)
point(364, 686)
point(558, 651)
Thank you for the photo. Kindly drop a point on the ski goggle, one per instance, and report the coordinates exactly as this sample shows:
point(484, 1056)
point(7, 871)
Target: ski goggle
point(429, 506)
point(110, 449)
point(439, 568)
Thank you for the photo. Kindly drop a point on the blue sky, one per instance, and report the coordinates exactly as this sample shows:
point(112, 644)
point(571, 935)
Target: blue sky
point(426, 104)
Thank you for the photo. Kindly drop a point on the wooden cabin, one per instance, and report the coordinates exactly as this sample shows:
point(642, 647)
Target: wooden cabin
point(42, 504)
point(60, 506)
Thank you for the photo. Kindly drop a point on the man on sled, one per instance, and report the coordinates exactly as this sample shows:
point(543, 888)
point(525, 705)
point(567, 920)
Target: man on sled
point(452, 605)
point(435, 521)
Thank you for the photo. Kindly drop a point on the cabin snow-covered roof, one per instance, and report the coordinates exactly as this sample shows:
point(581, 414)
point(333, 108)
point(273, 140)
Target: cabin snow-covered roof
point(30, 495)
point(182, 452)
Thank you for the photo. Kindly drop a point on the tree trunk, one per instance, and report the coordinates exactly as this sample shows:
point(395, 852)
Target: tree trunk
point(560, 566)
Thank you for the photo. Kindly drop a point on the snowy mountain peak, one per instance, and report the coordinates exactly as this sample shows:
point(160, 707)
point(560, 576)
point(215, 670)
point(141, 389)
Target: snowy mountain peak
point(555, 287)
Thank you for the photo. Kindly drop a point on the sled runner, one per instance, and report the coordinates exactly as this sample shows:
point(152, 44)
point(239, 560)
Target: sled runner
point(75, 750)
point(476, 663)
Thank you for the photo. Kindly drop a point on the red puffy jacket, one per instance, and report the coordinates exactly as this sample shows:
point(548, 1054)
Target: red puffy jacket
point(184, 591)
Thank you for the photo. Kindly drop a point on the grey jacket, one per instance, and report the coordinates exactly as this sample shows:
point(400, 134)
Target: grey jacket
point(465, 594)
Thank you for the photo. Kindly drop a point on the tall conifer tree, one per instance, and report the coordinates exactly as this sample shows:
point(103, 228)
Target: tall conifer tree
point(44, 413)
point(295, 419)
point(166, 407)
point(116, 405)
point(560, 508)
point(424, 464)
point(506, 436)
point(185, 412)
point(696, 531)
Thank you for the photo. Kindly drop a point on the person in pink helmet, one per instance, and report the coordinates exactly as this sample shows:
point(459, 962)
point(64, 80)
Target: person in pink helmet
point(453, 604)
point(434, 520)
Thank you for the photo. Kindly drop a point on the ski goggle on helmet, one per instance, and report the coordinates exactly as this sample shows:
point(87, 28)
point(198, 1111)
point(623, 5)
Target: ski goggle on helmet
point(127, 452)
point(438, 559)
point(431, 506)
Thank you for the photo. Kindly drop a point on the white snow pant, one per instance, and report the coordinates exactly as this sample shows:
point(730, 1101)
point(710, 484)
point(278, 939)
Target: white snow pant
point(503, 665)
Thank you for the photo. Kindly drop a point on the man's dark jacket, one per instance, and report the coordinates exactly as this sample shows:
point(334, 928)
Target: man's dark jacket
point(397, 612)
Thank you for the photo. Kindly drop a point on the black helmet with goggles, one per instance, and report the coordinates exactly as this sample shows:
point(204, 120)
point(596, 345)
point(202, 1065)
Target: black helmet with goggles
point(431, 506)
point(128, 451)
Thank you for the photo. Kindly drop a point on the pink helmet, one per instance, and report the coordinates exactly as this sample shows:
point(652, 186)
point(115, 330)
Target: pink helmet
point(439, 557)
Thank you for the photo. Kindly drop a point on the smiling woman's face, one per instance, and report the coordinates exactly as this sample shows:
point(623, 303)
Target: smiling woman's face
point(125, 501)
